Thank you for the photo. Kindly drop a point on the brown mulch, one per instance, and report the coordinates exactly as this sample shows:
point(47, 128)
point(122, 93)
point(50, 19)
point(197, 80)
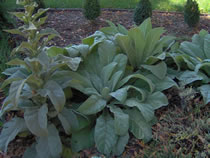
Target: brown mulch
point(73, 27)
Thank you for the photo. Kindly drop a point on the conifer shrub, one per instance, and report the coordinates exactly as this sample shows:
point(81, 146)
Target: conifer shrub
point(91, 9)
point(142, 11)
point(191, 13)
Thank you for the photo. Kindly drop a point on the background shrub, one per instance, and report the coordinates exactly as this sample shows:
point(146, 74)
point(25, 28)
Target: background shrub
point(191, 13)
point(91, 9)
point(142, 11)
point(40, 3)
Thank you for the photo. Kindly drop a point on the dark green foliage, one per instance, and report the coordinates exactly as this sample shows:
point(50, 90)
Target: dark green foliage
point(40, 3)
point(142, 11)
point(191, 13)
point(4, 52)
point(91, 9)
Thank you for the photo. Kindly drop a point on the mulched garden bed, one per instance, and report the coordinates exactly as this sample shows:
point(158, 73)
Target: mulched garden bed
point(73, 27)
point(173, 122)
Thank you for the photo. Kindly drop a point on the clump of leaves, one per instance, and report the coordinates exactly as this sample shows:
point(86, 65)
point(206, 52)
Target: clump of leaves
point(37, 90)
point(142, 12)
point(91, 9)
point(35, 38)
point(193, 59)
point(191, 13)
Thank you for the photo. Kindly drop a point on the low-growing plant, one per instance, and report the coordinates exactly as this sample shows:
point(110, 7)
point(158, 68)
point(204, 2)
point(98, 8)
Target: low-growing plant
point(193, 62)
point(191, 13)
point(142, 12)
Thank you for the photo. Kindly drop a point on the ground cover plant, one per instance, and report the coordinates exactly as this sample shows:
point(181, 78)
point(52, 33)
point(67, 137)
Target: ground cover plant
point(118, 82)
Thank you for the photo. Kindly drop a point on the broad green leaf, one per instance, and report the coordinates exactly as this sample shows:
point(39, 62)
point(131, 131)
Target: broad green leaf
point(192, 50)
point(16, 76)
point(158, 70)
point(157, 100)
point(81, 50)
point(68, 120)
point(50, 145)
point(147, 82)
point(122, 141)
point(83, 139)
point(163, 84)
point(146, 109)
point(207, 46)
point(106, 51)
point(105, 137)
point(10, 130)
point(54, 142)
point(36, 120)
point(16, 62)
point(205, 91)
point(125, 44)
point(121, 120)
point(107, 71)
point(120, 94)
point(54, 51)
point(204, 66)
point(72, 63)
point(15, 91)
point(138, 125)
point(188, 77)
point(146, 26)
point(42, 116)
point(92, 105)
point(56, 95)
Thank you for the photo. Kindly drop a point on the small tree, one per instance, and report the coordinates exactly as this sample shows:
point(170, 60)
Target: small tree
point(142, 11)
point(91, 9)
point(191, 13)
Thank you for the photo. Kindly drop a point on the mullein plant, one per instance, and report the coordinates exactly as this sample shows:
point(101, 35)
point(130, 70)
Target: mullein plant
point(37, 89)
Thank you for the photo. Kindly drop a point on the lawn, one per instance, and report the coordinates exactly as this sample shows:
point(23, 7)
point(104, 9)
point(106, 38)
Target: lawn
point(164, 5)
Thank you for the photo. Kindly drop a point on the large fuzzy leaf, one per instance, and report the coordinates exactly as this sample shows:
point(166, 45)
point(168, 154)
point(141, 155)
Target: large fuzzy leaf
point(140, 128)
point(10, 131)
point(68, 120)
point(158, 70)
point(121, 120)
point(83, 139)
point(122, 141)
point(56, 95)
point(92, 105)
point(188, 77)
point(205, 91)
point(36, 120)
point(50, 145)
point(15, 91)
point(105, 137)
point(163, 84)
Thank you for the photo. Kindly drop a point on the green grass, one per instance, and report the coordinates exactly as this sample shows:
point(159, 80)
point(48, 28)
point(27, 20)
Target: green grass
point(164, 5)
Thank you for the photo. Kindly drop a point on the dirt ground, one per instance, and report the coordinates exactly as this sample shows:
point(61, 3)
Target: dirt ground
point(73, 27)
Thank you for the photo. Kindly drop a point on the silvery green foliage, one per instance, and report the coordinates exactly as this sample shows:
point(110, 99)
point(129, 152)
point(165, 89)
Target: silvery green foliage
point(123, 101)
point(37, 86)
point(193, 59)
point(36, 39)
